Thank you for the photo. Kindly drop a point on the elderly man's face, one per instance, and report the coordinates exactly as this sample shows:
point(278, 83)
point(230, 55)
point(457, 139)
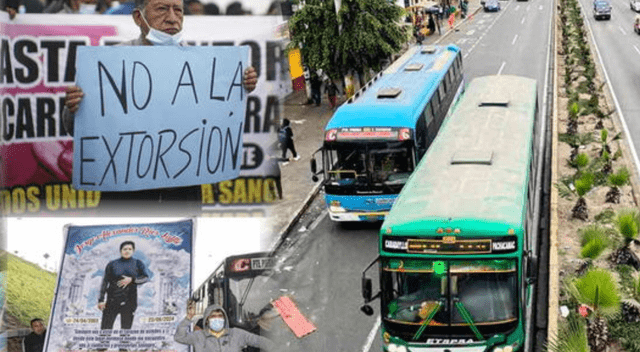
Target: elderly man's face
point(163, 15)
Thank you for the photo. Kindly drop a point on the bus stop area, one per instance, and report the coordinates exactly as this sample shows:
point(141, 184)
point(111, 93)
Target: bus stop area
point(308, 122)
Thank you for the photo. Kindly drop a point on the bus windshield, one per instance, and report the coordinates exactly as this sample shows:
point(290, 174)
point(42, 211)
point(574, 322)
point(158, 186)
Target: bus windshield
point(415, 289)
point(382, 163)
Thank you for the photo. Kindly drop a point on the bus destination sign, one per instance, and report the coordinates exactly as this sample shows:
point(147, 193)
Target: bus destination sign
point(451, 245)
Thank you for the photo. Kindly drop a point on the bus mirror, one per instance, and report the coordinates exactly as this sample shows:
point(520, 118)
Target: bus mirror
point(366, 289)
point(366, 309)
point(314, 178)
point(496, 340)
point(314, 167)
point(532, 269)
point(482, 2)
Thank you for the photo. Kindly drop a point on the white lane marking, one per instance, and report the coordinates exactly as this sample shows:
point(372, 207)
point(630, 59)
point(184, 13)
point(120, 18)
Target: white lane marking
point(638, 50)
point(622, 30)
point(517, 8)
point(501, 67)
point(514, 39)
point(372, 335)
point(528, 6)
point(522, 22)
point(540, 8)
point(480, 21)
point(471, 32)
point(319, 219)
point(495, 19)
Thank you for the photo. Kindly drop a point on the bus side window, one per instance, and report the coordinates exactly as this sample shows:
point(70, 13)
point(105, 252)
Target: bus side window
point(432, 126)
point(442, 91)
point(435, 102)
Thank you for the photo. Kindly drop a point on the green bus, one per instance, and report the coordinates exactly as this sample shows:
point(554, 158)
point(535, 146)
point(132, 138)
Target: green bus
point(458, 250)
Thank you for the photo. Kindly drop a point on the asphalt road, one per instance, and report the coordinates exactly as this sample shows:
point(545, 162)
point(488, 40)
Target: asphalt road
point(324, 260)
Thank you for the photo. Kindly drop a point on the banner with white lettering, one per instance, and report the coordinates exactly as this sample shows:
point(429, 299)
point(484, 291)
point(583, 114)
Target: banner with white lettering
point(158, 117)
point(122, 287)
point(37, 62)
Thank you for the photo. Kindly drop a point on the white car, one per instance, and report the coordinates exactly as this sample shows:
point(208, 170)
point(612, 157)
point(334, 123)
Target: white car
point(635, 5)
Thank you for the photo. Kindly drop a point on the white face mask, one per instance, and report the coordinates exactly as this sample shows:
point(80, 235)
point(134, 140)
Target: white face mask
point(87, 9)
point(161, 38)
point(216, 324)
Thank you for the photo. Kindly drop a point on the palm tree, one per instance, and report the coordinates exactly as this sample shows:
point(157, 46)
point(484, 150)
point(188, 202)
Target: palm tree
point(594, 240)
point(583, 185)
point(616, 181)
point(572, 337)
point(597, 289)
point(628, 224)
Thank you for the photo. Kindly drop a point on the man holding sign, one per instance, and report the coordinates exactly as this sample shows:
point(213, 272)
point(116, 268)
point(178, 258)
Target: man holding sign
point(160, 23)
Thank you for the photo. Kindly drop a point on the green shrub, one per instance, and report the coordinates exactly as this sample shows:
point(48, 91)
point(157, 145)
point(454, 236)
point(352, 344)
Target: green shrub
point(628, 224)
point(598, 289)
point(572, 337)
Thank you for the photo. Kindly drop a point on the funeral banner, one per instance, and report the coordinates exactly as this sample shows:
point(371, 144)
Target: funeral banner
point(122, 287)
point(38, 60)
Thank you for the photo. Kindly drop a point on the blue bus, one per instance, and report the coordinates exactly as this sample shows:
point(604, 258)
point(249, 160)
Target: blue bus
point(374, 141)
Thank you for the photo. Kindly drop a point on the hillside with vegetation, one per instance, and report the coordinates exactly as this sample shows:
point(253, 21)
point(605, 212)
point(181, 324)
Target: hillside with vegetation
point(29, 289)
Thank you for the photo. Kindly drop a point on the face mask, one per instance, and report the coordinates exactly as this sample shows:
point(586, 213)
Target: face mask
point(161, 38)
point(216, 324)
point(87, 9)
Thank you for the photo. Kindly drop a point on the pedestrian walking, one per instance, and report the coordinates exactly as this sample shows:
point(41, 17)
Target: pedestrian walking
point(431, 24)
point(316, 84)
point(332, 91)
point(285, 137)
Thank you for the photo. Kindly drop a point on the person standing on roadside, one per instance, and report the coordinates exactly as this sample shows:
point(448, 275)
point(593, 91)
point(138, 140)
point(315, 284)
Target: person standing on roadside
point(285, 137)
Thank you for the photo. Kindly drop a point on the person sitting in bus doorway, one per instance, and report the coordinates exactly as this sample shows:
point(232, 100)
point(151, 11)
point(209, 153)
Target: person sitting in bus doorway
point(34, 342)
point(216, 334)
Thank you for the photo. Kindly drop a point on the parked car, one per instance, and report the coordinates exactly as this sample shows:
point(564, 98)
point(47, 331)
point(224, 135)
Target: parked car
point(602, 9)
point(635, 5)
point(636, 24)
point(491, 5)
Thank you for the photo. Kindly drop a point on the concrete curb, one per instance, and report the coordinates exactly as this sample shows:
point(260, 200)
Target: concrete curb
point(458, 25)
point(284, 233)
point(554, 271)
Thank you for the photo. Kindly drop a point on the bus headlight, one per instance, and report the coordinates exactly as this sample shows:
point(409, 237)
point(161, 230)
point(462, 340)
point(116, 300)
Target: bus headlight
point(498, 349)
point(503, 349)
point(336, 207)
point(396, 348)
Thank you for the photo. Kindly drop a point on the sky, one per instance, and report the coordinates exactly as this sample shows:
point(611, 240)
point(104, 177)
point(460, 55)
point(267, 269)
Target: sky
point(216, 239)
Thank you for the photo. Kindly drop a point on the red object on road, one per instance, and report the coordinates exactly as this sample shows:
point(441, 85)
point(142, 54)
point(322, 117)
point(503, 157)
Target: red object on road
point(298, 323)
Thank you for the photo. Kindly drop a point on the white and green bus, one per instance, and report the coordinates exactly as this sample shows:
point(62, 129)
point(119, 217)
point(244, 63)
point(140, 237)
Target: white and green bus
point(458, 257)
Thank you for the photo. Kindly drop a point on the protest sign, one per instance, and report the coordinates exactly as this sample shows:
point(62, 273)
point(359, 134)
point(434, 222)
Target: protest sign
point(38, 53)
point(158, 117)
point(92, 309)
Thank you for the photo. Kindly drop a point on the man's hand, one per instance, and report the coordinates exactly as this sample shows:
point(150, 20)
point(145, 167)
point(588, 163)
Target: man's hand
point(73, 98)
point(101, 305)
point(122, 283)
point(12, 12)
point(250, 79)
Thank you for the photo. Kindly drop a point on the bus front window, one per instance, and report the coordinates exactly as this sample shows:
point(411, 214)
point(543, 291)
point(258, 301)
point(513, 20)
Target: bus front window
point(487, 289)
point(357, 163)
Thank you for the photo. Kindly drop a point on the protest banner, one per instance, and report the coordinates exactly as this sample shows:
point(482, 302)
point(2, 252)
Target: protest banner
point(122, 287)
point(37, 62)
point(158, 117)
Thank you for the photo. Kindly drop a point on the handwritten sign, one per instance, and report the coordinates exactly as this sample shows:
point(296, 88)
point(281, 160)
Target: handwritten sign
point(157, 117)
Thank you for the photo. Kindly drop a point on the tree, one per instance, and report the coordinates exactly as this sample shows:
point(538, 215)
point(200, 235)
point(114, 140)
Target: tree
point(314, 29)
point(583, 186)
point(616, 181)
point(598, 291)
point(370, 33)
